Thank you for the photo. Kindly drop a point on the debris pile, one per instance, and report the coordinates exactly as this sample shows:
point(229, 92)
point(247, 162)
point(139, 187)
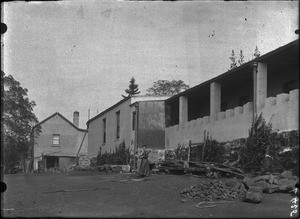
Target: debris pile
point(215, 190)
point(172, 166)
point(271, 183)
point(209, 168)
point(114, 168)
point(284, 182)
point(84, 161)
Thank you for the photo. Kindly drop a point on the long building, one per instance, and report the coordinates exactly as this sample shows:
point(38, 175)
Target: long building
point(225, 106)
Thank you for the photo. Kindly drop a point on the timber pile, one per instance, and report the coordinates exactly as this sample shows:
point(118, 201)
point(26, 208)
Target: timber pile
point(203, 167)
point(171, 165)
point(215, 190)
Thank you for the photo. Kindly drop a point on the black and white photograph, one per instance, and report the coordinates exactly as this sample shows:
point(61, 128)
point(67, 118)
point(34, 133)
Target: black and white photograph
point(150, 109)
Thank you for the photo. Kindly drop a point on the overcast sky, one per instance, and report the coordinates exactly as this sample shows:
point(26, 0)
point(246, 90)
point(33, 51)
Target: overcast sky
point(81, 54)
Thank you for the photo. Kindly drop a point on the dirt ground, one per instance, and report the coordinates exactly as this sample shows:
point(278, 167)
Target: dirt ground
point(95, 194)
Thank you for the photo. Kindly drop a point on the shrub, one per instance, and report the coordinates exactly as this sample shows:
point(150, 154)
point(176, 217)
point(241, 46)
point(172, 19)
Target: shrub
point(214, 151)
point(257, 145)
point(120, 156)
point(181, 152)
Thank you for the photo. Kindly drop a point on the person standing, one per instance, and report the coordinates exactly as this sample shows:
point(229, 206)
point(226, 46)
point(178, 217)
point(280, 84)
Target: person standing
point(144, 169)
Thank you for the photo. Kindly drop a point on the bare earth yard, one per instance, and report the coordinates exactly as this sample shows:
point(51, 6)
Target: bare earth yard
point(95, 194)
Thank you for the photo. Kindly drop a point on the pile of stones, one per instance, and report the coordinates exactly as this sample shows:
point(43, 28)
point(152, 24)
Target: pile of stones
point(215, 190)
point(114, 168)
point(284, 182)
point(84, 161)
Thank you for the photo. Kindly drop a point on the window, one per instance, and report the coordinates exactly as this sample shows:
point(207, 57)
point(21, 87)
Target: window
point(118, 124)
point(133, 120)
point(56, 139)
point(104, 131)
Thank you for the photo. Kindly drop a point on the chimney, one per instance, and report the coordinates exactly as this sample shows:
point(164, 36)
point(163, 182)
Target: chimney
point(76, 118)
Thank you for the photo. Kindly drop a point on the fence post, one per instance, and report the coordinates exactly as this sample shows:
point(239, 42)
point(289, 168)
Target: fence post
point(189, 152)
point(203, 148)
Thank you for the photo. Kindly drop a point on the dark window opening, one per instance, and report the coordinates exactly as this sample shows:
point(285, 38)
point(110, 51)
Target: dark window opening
point(133, 120)
point(243, 100)
point(118, 124)
point(104, 131)
point(223, 106)
point(51, 162)
point(291, 85)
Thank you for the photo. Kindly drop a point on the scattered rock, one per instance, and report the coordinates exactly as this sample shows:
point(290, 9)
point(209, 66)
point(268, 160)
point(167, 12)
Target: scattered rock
point(259, 178)
point(255, 189)
point(183, 200)
point(286, 174)
point(262, 184)
point(287, 185)
point(254, 197)
point(126, 168)
point(271, 189)
point(248, 181)
point(242, 188)
point(278, 182)
point(271, 179)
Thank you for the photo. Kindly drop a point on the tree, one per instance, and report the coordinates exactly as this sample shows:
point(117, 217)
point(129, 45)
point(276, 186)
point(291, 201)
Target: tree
point(233, 60)
point(133, 88)
point(241, 60)
point(256, 53)
point(167, 88)
point(18, 121)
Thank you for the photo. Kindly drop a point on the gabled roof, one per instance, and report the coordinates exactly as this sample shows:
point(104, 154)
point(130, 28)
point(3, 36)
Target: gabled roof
point(272, 57)
point(64, 118)
point(108, 109)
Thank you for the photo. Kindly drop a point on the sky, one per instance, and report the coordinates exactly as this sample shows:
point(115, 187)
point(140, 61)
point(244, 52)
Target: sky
point(80, 55)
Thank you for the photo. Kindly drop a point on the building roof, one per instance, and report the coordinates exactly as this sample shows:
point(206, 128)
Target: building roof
point(284, 54)
point(108, 109)
point(64, 118)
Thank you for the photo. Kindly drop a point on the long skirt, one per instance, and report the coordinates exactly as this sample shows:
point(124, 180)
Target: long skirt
point(144, 169)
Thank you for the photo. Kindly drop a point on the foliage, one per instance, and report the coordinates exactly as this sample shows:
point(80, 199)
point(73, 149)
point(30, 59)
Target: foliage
point(133, 88)
point(257, 145)
point(210, 151)
point(167, 88)
point(18, 120)
point(213, 151)
point(181, 152)
point(233, 60)
point(256, 53)
point(120, 156)
point(241, 60)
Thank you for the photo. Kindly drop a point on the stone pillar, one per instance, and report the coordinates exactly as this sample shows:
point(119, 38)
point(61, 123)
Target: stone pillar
point(215, 98)
point(183, 109)
point(254, 74)
point(260, 72)
point(261, 90)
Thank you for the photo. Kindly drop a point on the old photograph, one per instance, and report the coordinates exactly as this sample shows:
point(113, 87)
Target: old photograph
point(147, 109)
